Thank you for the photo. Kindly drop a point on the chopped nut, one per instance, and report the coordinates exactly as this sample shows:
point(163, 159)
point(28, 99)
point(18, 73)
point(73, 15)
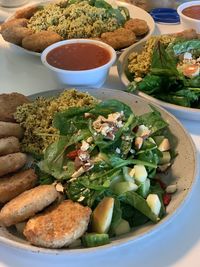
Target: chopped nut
point(90, 139)
point(171, 188)
point(87, 115)
point(164, 145)
point(78, 173)
point(59, 187)
point(138, 142)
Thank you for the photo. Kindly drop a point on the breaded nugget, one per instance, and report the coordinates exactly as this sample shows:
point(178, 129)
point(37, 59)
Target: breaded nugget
point(59, 226)
point(15, 34)
point(12, 163)
point(15, 23)
point(26, 12)
point(10, 129)
point(9, 104)
point(13, 185)
point(37, 42)
point(27, 204)
point(138, 26)
point(120, 38)
point(9, 145)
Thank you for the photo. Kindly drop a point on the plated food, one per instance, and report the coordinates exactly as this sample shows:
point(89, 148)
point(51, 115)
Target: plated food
point(98, 165)
point(166, 68)
point(80, 19)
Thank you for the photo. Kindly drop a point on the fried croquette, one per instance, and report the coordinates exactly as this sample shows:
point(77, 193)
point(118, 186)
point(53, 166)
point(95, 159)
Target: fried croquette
point(27, 204)
point(9, 145)
point(15, 34)
point(58, 226)
point(120, 38)
point(138, 26)
point(13, 185)
point(26, 12)
point(14, 22)
point(12, 163)
point(10, 129)
point(39, 41)
point(9, 104)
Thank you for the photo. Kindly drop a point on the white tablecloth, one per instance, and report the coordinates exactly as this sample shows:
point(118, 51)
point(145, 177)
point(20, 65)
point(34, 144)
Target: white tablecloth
point(178, 244)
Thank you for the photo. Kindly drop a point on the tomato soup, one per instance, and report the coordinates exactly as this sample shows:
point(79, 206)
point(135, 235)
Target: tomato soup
point(192, 12)
point(78, 56)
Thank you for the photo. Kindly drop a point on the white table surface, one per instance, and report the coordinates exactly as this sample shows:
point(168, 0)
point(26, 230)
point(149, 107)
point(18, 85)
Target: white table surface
point(178, 244)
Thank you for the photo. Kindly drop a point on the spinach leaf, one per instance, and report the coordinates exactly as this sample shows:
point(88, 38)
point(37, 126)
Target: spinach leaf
point(109, 106)
point(139, 203)
point(70, 121)
point(162, 63)
point(185, 46)
point(54, 160)
point(133, 216)
point(117, 162)
point(153, 121)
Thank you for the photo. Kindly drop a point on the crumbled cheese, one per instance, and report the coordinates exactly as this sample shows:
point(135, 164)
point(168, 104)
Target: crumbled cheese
point(84, 146)
point(118, 151)
point(187, 56)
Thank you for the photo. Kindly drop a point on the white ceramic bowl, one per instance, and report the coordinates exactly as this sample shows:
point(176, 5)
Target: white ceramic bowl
point(12, 3)
point(178, 111)
point(187, 22)
point(184, 172)
point(84, 78)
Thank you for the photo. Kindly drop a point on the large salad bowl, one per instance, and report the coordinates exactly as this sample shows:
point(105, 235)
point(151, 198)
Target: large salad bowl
point(183, 172)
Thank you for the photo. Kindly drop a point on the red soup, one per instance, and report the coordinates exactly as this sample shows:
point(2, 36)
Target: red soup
point(78, 56)
point(192, 12)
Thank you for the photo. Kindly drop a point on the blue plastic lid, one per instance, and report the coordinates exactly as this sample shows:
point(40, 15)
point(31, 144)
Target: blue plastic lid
point(165, 15)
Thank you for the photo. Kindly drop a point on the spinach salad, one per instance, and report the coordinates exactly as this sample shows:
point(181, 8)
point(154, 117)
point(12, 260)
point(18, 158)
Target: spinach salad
point(109, 159)
point(174, 73)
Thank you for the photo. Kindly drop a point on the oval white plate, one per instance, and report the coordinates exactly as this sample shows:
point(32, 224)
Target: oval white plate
point(178, 111)
point(184, 172)
point(135, 12)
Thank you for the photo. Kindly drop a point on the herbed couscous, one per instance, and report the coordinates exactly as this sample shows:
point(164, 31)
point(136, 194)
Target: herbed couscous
point(139, 63)
point(36, 118)
point(78, 20)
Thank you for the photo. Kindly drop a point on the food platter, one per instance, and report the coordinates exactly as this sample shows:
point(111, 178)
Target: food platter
point(184, 177)
point(178, 111)
point(135, 12)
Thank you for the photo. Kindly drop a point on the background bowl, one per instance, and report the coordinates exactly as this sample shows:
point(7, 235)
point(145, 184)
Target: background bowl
point(187, 22)
point(135, 12)
point(86, 78)
point(178, 111)
point(12, 3)
point(184, 172)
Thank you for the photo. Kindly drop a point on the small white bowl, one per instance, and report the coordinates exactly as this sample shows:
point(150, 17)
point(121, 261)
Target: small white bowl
point(187, 22)
point(81, 78)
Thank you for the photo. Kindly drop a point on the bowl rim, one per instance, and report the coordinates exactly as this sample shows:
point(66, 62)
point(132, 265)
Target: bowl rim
point(185, 5)
point(113, 55)
point(124, 241)
point(123, 77)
